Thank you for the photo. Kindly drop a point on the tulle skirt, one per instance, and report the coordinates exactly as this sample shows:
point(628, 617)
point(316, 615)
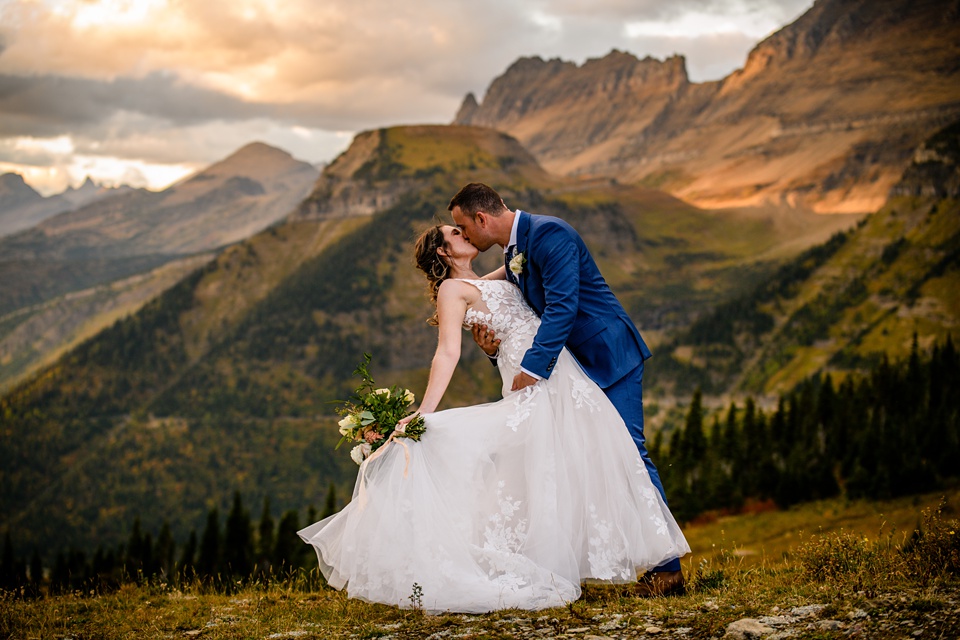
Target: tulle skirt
point(501, 505)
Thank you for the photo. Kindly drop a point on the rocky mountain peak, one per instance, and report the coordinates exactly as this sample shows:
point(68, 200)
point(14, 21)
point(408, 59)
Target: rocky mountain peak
point(253, 160)
point(825, 113)
point(532, 86)
point(13, 183)
point(382, 164)
point(467, 109)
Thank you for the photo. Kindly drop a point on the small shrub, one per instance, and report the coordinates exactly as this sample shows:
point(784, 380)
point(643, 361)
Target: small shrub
point(934, 548)
point(844, 557)
point(707, 577)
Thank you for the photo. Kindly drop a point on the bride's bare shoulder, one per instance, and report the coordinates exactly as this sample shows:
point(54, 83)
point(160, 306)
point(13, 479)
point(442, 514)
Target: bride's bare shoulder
point(461, 289)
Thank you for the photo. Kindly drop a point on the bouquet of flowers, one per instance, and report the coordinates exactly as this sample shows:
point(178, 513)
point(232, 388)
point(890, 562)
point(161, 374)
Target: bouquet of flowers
point(370, 416)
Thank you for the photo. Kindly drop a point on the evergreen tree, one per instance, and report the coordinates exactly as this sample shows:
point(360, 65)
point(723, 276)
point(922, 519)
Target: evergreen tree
point(8, 579)
point(330, 505)
point(693, 448)
point(265, 539)
point(148, 561)
point(286, 554)
point(60, 575)
point(165, 551)
point(35, 585)
point(208, 560)
point(133, 562)
point(238, 540)
point(187, 567)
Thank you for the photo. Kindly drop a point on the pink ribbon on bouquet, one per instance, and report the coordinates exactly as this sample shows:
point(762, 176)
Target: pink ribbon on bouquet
point(362, 492)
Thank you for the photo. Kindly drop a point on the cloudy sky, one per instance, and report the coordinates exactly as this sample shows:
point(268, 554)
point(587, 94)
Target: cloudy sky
point(147, 91)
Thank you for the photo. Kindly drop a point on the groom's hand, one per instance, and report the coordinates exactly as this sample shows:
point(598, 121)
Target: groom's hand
point(486, 339)
point(522, 381)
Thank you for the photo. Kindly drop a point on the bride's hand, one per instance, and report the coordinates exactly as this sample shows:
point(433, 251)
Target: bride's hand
point(403, 422)
point(486, 338)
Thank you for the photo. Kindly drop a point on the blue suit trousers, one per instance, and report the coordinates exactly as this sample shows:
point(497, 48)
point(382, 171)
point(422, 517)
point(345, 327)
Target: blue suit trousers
point(626, 395)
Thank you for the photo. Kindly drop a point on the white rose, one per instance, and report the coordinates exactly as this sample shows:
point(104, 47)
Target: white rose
point(408, 396)
point(360, 452)
point(381, 392)
point(516, 265)
point(347, 424)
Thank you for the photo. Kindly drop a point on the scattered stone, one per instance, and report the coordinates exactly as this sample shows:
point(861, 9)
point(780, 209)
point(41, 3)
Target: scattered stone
point(808, 610)
point(193, 633)
point(652, 630)
point(615, 622)
point(856, 614)
point(918, 633)
point(597, 638)
point(287, 634)
point(778, 621)
point(578, 630)
point(776, 609)
point(783, 635)
point(829, 625)
point(747, 629)
point(709, 605)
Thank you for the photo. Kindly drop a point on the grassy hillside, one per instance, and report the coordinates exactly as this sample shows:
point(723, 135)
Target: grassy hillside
point(842, 305)
point(224, 381)
point(824, 570)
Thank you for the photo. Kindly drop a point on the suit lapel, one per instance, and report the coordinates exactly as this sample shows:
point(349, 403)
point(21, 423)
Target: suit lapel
point(523, 233)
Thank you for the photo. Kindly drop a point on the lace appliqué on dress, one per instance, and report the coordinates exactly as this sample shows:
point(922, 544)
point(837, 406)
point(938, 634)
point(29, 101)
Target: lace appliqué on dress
point(524, 403)
point(502, 543)
point(606, 555)
point(583, 394)
point(507, 313)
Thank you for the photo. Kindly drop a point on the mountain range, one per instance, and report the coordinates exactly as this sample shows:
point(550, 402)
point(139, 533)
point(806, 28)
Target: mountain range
point(76, 272)
point(223, 382)
point(21, 207)
point(825, 113)
point(251, 348)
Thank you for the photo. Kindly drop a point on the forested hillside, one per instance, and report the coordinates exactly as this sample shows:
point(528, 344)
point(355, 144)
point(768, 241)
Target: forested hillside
point(224, 382)
point(841, 306)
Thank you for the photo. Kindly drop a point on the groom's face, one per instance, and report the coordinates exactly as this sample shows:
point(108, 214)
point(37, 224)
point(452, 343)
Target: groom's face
point(474, 229)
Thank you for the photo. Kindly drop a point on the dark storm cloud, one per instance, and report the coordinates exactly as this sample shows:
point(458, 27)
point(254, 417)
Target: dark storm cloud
point(52, 105)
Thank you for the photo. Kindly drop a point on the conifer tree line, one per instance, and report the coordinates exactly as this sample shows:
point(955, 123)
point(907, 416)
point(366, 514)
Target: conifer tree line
point(894, 432)
point(228, 552)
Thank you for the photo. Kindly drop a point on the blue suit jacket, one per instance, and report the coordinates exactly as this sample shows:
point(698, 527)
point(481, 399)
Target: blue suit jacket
point(577, 309)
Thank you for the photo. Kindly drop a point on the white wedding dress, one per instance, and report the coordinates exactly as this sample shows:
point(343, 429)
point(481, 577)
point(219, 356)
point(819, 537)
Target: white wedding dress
point(506, 504)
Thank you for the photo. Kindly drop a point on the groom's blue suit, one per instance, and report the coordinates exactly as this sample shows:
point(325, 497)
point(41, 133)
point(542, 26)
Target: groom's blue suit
point(577, 310)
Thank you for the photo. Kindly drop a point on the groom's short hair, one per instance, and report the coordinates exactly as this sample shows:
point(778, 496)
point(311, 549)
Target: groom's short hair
point(475, 197)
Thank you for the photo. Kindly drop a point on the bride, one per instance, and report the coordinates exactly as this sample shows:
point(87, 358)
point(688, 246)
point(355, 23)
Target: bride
point(507, 504)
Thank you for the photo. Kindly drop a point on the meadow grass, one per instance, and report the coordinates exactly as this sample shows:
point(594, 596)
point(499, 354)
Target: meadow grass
point(857, 564)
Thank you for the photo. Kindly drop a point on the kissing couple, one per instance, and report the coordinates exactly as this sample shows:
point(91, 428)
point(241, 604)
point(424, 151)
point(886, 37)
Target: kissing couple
point(514, 503)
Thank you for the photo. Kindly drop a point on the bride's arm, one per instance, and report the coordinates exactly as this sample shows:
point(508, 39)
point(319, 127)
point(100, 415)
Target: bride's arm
point(451, 307)
point(499, 274)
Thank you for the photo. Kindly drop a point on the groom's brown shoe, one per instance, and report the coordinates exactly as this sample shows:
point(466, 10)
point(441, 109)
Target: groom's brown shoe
point(660, 583)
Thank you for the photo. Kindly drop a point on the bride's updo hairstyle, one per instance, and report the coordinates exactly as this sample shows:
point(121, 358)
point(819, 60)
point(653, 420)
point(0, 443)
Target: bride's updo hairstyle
point(431, 263)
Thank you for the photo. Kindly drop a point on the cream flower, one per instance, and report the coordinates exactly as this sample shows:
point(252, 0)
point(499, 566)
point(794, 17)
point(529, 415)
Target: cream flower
point(516, 264)
point(382, 392)
point(360, 452)
point(347, 424)
point(408, 396)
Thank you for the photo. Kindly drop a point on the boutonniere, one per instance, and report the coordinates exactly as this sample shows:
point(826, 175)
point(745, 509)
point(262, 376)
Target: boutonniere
point(516, 264)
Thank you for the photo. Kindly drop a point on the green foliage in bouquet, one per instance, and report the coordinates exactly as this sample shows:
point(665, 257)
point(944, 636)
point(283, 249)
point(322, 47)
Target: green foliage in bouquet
point(371, 415)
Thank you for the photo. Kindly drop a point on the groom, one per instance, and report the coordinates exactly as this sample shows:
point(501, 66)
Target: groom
point(548, 260)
